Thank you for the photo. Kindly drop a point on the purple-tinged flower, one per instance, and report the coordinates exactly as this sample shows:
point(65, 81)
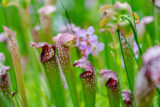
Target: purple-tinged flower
point(48, 51)
point(2, 57)
point(96, 48)
point(151, 53)
point(4, 80)
point(143, 22)
point(135, 49)
point(148, 77)
point(3, 37)
point(46, 10)
point(111, 83)
point(87, 42)
point(110, 77)
point(158, 84)
point(88, 79)
point(127, 97)
point(156, 3)
point(90, 30)
point(82, 63)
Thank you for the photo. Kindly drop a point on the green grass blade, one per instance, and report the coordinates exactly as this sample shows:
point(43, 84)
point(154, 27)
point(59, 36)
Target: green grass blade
point(17, 64)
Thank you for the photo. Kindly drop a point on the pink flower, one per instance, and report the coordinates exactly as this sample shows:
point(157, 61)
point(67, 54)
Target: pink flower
point(135, 49)
point(156, 3)
point(3, 37)
point(46, 10)
point(2, 57)
point(141, 26)
point(127, 96)
point(111, 77)
point(151, 53)
point(87, 42)
point(48, 51)
point(89, 69)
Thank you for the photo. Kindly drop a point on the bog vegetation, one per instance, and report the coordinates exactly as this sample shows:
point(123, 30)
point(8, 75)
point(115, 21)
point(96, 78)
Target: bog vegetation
point(79, 53)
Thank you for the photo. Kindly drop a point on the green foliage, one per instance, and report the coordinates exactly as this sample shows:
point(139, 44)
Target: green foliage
point(22, 16)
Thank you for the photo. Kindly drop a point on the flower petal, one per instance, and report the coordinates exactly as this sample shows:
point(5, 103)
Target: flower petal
point(65, 39)
point(90, 30)
point(48, 51)
point(100, 46)
point(81, 33)
point(123, 8)
point(2, 57)
point(151, 54)
point(127, 96)
point(46, 10)
point(3, 37)
point(89, 69)
point(111, 77)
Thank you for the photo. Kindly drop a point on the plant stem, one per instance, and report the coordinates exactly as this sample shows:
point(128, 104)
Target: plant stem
point(156, 24)
point(125, 64)
point(63, 51)
point(17, 64)
point(89, 90)
point(112, 87)
point(113, 2)
point(131, 51)
point(135, 34)
point(53, 76)
point(88, 80)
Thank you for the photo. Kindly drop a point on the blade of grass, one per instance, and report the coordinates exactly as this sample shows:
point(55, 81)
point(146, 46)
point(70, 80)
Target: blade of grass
point(17, 64)
point(113, 2)
point(67, 15)
point(4, 101)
